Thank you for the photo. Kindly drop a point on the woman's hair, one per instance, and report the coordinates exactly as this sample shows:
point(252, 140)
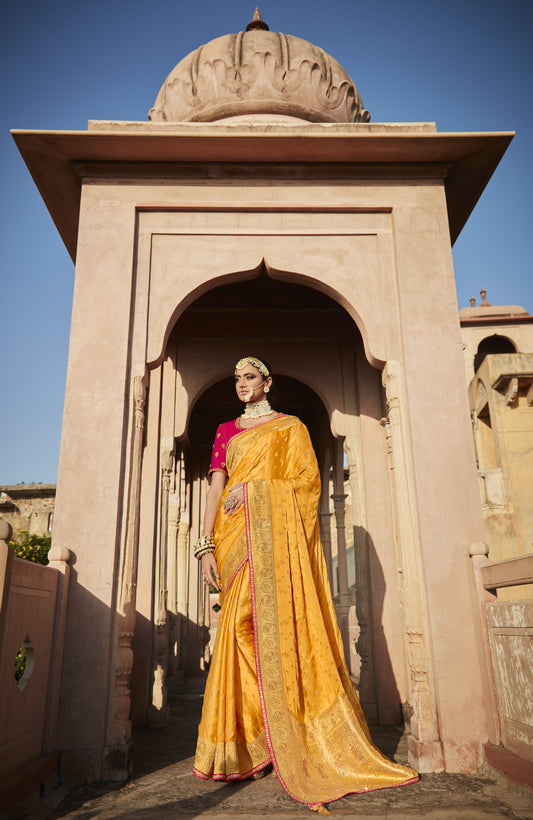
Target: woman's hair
point(267, 365)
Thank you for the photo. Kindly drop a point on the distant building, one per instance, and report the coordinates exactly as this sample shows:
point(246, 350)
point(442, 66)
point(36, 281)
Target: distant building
point(498, 350)
point(28, 507)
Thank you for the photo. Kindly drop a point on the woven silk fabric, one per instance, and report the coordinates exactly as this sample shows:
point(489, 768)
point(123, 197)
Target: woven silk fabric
point(278, 688)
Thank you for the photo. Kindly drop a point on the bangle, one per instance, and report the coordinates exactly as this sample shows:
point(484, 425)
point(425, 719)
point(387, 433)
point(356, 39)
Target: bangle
point(200, 555)
point(204, 545)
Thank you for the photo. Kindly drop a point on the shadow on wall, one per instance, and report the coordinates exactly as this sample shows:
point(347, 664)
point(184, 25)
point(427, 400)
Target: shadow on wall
point(81, 729)
point(378, 676)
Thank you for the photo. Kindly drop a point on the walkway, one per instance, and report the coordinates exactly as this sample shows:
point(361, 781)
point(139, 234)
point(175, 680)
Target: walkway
point(163, 786)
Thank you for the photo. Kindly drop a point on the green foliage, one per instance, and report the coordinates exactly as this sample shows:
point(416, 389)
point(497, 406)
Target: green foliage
point(20, 662)
point(31, 547)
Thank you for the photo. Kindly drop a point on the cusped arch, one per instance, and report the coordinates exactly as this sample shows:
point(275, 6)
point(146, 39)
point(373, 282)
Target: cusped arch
point(362, 316)
point(304, 333)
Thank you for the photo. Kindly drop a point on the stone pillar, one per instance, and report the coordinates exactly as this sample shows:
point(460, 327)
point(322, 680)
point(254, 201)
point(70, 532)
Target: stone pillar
point(117, 760)
point(172, 580)
point(182, 558)
point(158, 712)
point(339, 497)
point(359, 617)
point(325, 514)
point(425, 749)
point(58, 558)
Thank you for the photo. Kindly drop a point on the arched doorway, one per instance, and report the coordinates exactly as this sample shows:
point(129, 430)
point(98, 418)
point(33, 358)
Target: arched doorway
point(323, 376)
point(490, 345)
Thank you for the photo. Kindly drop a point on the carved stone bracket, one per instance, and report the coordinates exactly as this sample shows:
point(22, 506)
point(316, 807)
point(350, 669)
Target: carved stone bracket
point(511, 392)
point(509, 384)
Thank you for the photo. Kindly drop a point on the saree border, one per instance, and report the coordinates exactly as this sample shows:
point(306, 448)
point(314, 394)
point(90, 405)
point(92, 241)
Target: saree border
point(259, 537)
point(258, 667)
point(242, 563)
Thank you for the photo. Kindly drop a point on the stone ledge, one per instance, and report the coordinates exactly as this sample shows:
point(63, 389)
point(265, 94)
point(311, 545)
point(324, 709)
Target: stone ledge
point(260, 123)
point(502, 761)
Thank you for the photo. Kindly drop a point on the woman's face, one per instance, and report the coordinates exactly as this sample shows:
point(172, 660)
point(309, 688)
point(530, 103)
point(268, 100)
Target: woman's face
point(250, 384)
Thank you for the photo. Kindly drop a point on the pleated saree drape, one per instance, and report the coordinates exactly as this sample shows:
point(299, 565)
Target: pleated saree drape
point(278, 688)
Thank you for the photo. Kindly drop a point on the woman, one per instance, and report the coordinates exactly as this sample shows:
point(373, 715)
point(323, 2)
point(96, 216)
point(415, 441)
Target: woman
point(278, 689)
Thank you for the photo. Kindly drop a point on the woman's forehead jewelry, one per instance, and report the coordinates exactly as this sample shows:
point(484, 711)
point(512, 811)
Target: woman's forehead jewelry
point(263, 369)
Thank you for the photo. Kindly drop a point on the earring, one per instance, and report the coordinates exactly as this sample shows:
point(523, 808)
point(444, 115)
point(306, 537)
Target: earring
point(267, 389)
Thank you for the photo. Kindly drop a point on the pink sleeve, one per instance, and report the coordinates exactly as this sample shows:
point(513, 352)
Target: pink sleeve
point(218, 459)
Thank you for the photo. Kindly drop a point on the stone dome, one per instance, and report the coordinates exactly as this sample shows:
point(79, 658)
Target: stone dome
point(258, 72)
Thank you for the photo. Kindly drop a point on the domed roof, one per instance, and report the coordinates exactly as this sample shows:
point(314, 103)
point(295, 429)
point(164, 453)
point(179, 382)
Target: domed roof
point(258, 72)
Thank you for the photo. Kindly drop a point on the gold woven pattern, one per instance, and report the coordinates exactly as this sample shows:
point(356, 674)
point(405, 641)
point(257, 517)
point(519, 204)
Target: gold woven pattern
point(278, 685)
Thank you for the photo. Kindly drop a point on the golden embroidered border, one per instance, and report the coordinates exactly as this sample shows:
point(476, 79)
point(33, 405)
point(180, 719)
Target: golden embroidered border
point(224, 761)
point(309, 771)
point(265, 615)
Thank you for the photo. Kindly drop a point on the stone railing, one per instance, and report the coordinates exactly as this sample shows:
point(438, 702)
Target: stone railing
point(33, 601)
point(509, 634)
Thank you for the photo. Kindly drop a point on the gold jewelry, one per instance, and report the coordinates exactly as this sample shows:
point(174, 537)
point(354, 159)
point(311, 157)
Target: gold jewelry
point(263, 369)
point(204, 545)
point(201, 554)
point(267, 389)
point(230, 503)
point(254, 410)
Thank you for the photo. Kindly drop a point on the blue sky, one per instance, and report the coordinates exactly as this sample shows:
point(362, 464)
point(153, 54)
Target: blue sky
point(465, 64)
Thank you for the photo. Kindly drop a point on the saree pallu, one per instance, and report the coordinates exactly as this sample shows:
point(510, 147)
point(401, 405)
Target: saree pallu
point(278, 688)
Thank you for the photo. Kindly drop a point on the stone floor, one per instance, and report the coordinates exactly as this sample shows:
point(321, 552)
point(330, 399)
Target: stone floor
point(163, 786)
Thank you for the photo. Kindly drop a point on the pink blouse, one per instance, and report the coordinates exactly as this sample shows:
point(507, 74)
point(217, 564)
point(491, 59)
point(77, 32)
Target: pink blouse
point(224, 433)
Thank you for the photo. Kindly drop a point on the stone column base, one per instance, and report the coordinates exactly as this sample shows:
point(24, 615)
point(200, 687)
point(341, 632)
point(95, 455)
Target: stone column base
point(425, 757)
point(79, 766)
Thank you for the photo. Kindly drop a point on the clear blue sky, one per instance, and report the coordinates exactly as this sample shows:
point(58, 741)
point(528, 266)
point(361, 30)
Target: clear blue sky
point(465, 64)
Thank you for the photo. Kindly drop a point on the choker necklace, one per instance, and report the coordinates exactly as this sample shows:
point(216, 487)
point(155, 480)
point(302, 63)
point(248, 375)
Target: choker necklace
point(254, 410)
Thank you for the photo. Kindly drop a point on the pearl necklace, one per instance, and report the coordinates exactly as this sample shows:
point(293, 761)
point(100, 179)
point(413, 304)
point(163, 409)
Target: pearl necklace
point(254, 410)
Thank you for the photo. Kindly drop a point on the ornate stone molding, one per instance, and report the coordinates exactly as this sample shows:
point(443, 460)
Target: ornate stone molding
point(118, 764)
point(258, 72)
point(424, 744)
point(159, 707)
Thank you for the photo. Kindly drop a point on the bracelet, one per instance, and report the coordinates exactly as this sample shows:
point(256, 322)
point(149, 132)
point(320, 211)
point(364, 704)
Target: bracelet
point(200, 555)
point(204, 545)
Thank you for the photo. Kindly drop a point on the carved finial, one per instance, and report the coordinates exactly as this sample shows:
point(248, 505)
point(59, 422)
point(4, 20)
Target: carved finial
point(257, 23)
point(484, 302)
point(472, 301)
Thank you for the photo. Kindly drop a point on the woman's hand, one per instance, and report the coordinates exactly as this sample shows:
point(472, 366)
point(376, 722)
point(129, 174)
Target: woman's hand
point(210, 570)
point(234, 500)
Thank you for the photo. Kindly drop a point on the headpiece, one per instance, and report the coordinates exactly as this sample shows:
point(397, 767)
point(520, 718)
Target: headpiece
point(263, 369)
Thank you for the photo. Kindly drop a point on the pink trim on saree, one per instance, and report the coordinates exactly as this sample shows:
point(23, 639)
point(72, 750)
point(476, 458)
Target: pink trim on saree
point(244, 560)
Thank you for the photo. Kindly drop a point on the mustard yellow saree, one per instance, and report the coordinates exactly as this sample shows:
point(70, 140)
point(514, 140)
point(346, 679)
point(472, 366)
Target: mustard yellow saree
point(278, 688)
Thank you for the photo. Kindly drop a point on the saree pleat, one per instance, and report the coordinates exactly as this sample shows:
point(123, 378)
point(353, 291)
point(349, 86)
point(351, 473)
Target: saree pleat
point(278, 688)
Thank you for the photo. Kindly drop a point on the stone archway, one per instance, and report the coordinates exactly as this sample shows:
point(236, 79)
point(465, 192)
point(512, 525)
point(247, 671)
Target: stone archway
point(323, 377)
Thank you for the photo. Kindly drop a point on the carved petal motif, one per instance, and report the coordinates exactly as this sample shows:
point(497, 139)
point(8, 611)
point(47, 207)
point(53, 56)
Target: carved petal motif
point(258, 72)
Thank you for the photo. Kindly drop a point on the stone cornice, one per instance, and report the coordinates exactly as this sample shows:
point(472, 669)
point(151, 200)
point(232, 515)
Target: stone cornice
point(28, 490)
point(59, 160)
